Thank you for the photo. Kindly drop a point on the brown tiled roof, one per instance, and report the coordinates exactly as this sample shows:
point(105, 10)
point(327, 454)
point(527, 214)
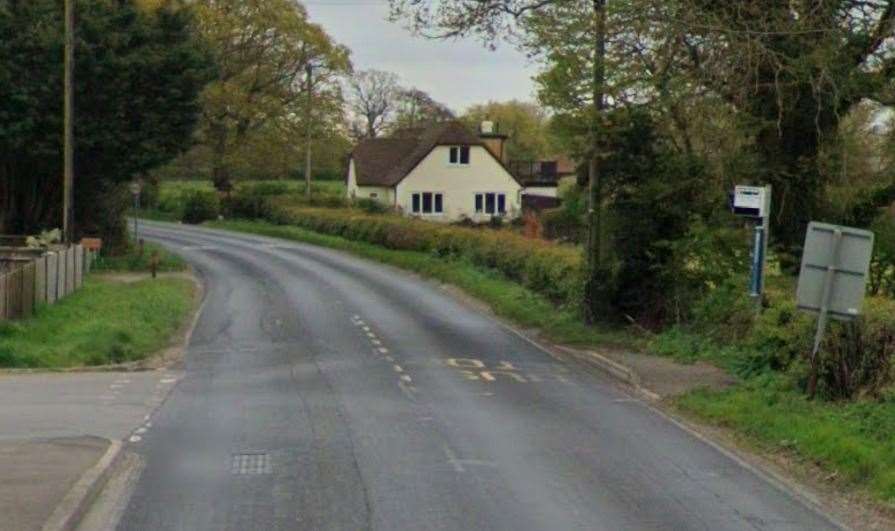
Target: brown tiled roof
point(386, 161)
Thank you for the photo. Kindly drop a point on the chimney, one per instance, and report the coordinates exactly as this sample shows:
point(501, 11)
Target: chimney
point(494, 141)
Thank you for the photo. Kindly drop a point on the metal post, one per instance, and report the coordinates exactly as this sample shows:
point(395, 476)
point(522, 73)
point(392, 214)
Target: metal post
point(823, 315)
point(69, 150)
point(137, 217)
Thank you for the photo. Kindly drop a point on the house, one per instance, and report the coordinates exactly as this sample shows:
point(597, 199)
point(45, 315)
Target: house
point(443, 172)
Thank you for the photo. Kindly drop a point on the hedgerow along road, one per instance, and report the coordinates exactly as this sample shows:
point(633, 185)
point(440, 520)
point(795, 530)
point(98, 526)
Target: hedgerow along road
point(323, 391)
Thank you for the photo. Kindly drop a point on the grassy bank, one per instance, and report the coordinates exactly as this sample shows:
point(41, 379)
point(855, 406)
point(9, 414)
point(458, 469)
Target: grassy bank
point(103, 323)
point(135, 261)
point(853, 441)
point(506, 298)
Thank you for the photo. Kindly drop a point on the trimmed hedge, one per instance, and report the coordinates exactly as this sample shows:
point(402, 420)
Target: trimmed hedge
point(555, 271)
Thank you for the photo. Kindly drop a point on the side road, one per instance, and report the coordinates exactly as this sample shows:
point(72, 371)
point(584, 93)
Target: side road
point(62, 432)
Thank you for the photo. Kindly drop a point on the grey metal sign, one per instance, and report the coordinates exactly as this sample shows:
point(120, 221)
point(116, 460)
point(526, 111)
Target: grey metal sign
point(835, 265)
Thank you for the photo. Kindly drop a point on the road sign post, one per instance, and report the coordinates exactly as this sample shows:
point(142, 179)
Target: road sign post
point(833, 279)
point(136, 187)
point(755, 202)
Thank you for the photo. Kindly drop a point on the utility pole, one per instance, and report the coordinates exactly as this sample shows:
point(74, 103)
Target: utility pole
point(310, 72)
point(595, 184)
point(69, 148)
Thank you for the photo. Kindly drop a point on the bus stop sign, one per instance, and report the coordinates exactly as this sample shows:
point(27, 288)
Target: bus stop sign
point(835, 265)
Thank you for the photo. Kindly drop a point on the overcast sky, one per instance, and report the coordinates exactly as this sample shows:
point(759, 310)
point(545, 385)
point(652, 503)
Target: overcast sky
point(457, 73)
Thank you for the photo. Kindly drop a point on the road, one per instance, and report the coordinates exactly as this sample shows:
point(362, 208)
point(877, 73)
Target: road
point(323, 392)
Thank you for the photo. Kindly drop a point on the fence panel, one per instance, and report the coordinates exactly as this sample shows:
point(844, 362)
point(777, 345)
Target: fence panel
point(52, 277)
point(28, 281)
point(69, 271)
point(15, 294)
point(3, 297)
point(40, 281)
point(79, 266)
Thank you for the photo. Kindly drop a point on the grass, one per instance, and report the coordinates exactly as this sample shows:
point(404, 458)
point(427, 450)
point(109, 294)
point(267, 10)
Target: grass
point(103, 323)
point(853, 441)
point(135, 261)
point(506, 298)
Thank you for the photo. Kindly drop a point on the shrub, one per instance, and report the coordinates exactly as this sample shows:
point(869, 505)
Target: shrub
point(556, 271)
point(265, 188)
point(250, 203)
point(200, 206)
point(371, 206)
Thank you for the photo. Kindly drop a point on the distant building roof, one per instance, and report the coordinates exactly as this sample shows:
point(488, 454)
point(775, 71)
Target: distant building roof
point(386, 161)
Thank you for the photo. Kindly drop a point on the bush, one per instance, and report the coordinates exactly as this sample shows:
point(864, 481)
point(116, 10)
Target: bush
point(556, 271)
point(200, 206)
point(265, 188)
point(371, 206)
point(250, 203)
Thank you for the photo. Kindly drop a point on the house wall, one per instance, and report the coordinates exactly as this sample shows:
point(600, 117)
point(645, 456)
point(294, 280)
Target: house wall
point(379, 193)
point(459, 184)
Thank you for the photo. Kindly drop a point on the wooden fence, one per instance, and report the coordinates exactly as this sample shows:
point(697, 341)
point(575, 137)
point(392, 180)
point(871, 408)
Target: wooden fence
point(30, 282)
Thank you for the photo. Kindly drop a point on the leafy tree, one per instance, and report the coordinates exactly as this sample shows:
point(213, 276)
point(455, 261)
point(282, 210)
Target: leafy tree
point(264, 49)
point(137, 79)
point(373, 100)
point(524, 123)
point(793, 70)
point(416, 108)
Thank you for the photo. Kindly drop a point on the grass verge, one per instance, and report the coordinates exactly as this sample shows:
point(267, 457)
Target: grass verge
point(135, 261)
point(853, 441)
point(103, 323)
point(506, 298)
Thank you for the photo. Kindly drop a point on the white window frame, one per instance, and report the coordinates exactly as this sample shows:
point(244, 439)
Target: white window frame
point(459, 150)
point(421, 211)
point(496, 210)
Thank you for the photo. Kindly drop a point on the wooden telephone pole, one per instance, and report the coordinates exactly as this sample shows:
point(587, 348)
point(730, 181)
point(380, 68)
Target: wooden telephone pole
point(308, 116)
point(69, 149)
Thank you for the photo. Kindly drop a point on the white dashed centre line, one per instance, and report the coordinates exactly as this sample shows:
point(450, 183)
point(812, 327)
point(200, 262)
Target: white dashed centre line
point(398, 368)
point(383, 350)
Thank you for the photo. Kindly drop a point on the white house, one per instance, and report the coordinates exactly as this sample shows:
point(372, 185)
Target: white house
point(443, 173)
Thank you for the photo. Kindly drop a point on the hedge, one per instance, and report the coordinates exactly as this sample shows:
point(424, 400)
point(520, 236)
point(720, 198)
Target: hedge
point(555, 271)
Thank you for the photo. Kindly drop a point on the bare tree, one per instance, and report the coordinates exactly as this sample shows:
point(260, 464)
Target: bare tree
point(374, 98)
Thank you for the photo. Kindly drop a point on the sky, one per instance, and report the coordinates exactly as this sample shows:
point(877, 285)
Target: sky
point(456, 73)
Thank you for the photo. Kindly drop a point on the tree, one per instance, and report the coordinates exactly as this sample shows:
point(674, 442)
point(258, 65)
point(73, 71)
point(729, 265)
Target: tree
point(264, 49)
point(139, 73)
point(374, 98)
point(416, 108)
point(524, 123)
point(792, 70)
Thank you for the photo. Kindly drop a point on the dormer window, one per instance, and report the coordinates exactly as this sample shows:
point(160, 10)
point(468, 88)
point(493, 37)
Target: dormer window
point(459, 156)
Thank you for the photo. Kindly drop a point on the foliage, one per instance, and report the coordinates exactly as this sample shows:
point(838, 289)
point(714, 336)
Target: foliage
point(652, 204)
point(260, 99)
point(524, 123)
point(137, 77)
point(416, 108)
point(552, 270)
point(200, 206)
point(853, 441)
point(136, 261)
point(882, 266)
point(102, 323)
point(371, 206)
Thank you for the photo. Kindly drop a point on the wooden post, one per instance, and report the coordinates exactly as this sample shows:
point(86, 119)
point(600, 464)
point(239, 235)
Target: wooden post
point(69, 148)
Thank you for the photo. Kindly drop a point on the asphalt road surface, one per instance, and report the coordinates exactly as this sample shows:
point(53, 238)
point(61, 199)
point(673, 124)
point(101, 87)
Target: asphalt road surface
point(325, 392)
